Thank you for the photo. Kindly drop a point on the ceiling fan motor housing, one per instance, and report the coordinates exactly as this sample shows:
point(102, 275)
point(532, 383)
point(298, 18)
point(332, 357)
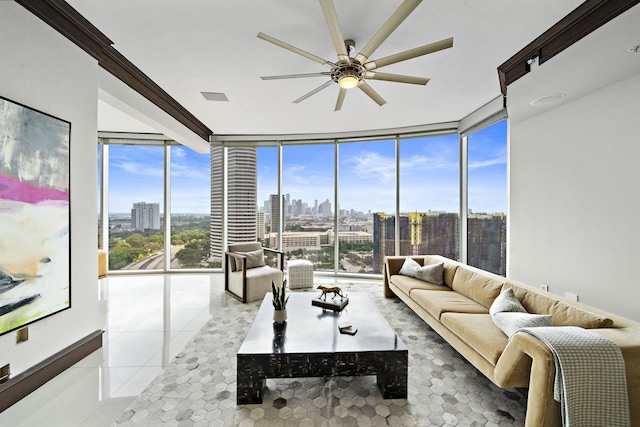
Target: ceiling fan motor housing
point(343, 69)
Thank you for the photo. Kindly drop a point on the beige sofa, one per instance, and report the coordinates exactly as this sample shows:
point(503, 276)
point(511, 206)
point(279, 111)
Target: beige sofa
point(459, 311)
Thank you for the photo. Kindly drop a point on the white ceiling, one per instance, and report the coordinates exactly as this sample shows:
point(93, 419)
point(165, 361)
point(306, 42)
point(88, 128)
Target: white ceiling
point(195, 46)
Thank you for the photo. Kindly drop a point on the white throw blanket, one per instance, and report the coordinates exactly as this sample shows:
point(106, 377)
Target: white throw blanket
point(590, 381)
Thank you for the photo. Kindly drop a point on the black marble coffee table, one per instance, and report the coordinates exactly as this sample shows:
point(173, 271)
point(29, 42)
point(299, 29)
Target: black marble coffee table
point(310, 345)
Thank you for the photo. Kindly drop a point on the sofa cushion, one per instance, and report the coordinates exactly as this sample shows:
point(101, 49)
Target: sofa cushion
point(433, 273)
point(510, 322)
point(476, 286)
point(564, 314)
point(479, 332)
point(407, 284)
point(438, 302)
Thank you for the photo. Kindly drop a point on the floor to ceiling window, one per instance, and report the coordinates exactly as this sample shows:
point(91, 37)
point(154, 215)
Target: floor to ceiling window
point(366, 205)
point(309, 190)
point(269, 210)
point(430, 195)
point(487, 198)
point(136, 207)
point(190, 209)
point(342, 204)
point(267, 193)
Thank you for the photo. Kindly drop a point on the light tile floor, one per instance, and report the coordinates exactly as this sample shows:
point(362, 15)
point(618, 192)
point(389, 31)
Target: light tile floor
point(150, 318)
point(140, 374)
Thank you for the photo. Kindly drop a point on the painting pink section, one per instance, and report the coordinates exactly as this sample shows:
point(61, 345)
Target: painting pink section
point(13, 189)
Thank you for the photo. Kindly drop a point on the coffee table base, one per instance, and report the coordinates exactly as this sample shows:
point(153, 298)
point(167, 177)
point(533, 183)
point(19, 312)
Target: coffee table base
point(390, 367)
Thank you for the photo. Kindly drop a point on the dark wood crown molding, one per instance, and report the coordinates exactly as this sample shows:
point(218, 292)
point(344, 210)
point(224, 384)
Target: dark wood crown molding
point(71, 24)
point(589, 16)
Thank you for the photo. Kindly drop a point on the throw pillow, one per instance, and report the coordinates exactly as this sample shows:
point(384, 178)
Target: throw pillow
point(410, 267)
point(433, 273)
point(510, 322)
point(254, 259)
point(506, 302)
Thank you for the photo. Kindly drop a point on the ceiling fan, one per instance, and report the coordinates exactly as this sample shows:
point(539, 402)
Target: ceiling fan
point(350, 72)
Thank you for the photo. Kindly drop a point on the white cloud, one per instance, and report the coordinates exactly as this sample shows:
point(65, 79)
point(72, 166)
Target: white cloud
point(371, 165)
point(487, 162)
point(188, 171)
point(138, 168)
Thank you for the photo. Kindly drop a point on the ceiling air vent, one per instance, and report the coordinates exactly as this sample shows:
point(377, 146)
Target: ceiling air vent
point(215, 96)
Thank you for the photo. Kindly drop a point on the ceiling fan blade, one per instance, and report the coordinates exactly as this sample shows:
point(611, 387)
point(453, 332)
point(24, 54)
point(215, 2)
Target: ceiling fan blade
point(371, 93)
point(330, 15)
point(295, 76)
point(409, 54)
point(313, 92)
point(294, 49)
point(341, 95)
point(396, 78)
point(387, 28)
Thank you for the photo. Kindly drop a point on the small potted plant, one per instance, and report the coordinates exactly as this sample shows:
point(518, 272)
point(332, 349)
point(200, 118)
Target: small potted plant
point(280, 299)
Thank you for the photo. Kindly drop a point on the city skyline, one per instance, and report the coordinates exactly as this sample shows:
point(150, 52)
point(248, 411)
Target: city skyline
point(429, 177)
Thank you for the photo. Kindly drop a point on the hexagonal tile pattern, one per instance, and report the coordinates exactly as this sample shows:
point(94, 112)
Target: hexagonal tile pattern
point(198, 387)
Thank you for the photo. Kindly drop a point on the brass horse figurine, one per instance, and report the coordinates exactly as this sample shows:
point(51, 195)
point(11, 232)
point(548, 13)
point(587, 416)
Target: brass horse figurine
point(335, 290)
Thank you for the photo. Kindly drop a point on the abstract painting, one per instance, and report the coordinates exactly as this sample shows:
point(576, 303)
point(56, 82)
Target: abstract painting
point(34, 215)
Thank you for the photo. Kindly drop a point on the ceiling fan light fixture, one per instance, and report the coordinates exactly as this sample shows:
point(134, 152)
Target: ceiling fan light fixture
point(348, 81)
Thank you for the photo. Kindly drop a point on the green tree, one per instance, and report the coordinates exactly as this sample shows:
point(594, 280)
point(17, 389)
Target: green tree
point(136, 240)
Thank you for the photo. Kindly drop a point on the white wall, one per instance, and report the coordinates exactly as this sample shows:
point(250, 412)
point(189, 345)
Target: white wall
point(575, 198)
point(43, 70)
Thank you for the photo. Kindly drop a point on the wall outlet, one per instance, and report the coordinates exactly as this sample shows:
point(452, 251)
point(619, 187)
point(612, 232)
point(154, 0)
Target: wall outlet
point(571, 296)
point(544, 287)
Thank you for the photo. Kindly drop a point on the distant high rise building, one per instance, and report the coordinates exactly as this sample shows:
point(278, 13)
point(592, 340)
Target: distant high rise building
point(424, 233)
point(260, 224)
point(486, 242)
point(241, 197)
point(276, 210)
point(297, 208)
point(287, 205)
point(437, 233)
point(383, 239)
point(145, 216)
point(325, 208)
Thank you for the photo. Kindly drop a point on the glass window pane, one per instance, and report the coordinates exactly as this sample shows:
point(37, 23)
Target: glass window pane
point(267, 216)
point(430, 196)
point(308, 187)
point(366, 214)
point(136, 188)
point(486, 241)
point(190, 206)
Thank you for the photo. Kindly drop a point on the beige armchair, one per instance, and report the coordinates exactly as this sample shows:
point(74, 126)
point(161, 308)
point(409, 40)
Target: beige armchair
point(247, 277)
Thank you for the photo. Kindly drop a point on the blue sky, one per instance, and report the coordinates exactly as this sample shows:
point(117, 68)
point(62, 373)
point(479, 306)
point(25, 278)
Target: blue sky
point(136, 175)
point(429, 177)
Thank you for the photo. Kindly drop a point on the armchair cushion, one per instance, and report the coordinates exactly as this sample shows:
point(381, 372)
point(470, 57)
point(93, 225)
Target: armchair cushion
point(254, 259)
